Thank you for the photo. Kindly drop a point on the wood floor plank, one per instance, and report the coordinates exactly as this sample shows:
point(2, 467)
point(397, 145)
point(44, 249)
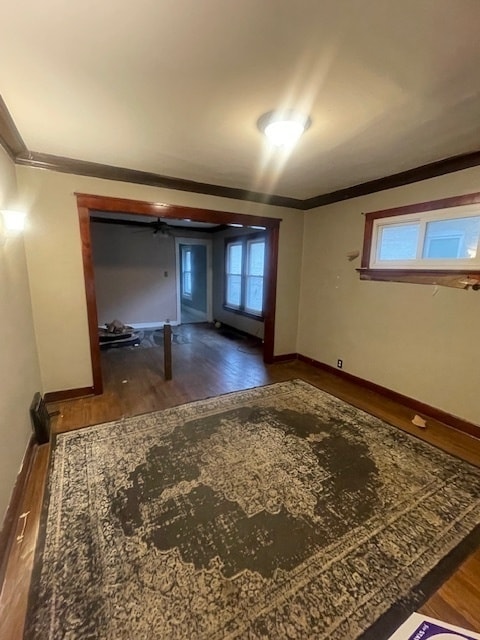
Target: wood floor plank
point(464, 582)
point(206, 365)
point(14, 595)
point(438, 607)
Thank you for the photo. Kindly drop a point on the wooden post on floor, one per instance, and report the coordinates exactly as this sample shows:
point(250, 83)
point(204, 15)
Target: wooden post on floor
point(167, 351)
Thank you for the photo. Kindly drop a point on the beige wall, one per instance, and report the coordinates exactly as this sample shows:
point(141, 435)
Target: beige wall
point(414, 339)
point(55, 266)
point(130, 280)
point(18, 359)
point(410, 338)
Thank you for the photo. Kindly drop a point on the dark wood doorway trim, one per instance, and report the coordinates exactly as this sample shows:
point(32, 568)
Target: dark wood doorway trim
point(89, 205)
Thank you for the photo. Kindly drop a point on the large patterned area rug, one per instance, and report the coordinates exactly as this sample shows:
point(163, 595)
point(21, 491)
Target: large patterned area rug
point(278, 512)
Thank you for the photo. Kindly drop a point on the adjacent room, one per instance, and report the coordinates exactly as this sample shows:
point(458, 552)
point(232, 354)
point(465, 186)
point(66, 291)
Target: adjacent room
point(240, 276)
point(148, 274)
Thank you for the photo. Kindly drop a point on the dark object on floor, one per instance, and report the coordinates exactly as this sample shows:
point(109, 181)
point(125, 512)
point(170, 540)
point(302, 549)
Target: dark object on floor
point(117, 327)
point(231, 334)
point(128, 337)
point(250, 343)
point(40, 418)
point(275, 512)
point(112, 337)
point(117, 334)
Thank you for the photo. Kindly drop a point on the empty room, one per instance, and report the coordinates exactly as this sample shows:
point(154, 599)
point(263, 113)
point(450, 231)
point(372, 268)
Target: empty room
point(240, 285)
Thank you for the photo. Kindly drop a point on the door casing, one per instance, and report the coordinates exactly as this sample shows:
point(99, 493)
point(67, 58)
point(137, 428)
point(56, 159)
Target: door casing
point(88, 205)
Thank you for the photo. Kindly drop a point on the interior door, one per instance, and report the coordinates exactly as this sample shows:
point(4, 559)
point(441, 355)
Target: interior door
point(194, 287)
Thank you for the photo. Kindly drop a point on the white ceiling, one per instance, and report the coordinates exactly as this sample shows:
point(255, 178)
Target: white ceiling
point(175, 87)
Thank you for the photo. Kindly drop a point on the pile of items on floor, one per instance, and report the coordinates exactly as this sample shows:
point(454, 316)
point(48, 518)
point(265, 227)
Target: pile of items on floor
point(117, 334)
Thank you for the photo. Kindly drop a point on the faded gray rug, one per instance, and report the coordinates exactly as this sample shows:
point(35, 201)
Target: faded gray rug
point(278, 512)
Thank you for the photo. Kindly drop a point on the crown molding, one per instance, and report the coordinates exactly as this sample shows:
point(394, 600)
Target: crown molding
point(14, 145)
point(108, 172)
point(417, 174)
point(10, 139)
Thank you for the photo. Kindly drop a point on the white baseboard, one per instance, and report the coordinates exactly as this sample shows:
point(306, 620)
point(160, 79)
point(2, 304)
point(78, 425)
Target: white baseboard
point(151, 325)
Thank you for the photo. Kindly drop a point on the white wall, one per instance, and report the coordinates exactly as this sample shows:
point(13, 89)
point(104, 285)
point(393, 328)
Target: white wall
point(411, 338)
point(130, 281)
point(18, 355)
point(56, 272)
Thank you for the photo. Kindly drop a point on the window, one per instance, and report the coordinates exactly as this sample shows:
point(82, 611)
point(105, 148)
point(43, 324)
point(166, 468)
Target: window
point(186, 273)
point(254, 276)
point(244, 275)
point(430, 241)
point(233, 272)
point(438, 237)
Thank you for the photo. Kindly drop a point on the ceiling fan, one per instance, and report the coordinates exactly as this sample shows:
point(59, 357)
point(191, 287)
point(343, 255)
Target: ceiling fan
point(158, 226)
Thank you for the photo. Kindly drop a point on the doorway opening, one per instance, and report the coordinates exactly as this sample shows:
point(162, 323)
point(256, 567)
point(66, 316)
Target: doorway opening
point(194, 280)
point(91, 205)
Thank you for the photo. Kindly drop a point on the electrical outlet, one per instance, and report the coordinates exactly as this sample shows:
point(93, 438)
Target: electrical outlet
point(339, 363)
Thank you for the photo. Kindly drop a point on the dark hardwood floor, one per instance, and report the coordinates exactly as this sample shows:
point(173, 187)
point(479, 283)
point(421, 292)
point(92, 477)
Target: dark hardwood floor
point(206, 364)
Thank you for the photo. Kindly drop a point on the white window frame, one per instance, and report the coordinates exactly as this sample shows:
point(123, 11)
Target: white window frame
point(245, 242)
point(450, 213)
point(254, 312)
point(185, 293)
point(234, 243)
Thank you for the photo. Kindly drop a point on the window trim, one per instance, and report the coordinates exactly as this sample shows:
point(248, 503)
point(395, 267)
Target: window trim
point(246, 275)
point(405, 273)
point(245, 240)
point(423, 219)
point(233, 243)
point(186, 295)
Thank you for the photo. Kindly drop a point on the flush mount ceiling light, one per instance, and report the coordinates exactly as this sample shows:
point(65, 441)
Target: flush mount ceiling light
point(283, 128)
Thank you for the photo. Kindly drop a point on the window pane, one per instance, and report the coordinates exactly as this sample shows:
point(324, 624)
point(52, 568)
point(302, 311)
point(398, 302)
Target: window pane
point(187, 260)
point(254, 294)
point(398, 242)
point(256, 258)
point(234, 290)
point(187, 283)
point(234, 259)
point(452, 239)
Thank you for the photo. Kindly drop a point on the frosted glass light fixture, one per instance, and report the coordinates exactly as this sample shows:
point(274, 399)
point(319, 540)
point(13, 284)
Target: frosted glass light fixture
point(283, 128)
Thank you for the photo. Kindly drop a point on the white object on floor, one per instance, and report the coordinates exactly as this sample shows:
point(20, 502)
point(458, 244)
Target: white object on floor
point(420, 627)
point(419, 422)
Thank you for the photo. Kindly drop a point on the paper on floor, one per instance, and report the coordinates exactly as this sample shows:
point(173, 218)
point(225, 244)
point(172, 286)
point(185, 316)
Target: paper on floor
point(419, 627)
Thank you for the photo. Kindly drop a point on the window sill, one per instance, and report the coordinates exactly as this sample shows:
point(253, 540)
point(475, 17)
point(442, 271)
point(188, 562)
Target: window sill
point(240, 312)
point(459, 279)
